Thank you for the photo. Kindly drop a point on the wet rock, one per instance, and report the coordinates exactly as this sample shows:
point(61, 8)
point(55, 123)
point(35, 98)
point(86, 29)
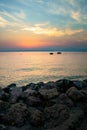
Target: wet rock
point(9, 87)
point(33, 101)
point(80, 84)
point(28, 92)
point(85, 80)
point(49, 85)
point(31, 86)
point(16, 115)
point(3, 95)
point(75, 94)
point(40, 84)
point(2, 127)
point(64, 99)
point(4, 106)
point(15, 94)
point(48, 93)
point(55, 115)
point(84, 92)
point(63, 85)
point(73, 122)
point(36, 117)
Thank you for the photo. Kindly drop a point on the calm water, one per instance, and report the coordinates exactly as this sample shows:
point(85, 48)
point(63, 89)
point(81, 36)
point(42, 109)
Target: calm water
point(25, 67)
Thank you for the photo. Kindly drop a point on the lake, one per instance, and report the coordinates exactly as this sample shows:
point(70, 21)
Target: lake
point(26, 67)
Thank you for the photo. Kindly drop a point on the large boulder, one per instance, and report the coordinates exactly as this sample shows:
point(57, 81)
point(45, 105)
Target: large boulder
point(4, 106)
point(75, 94)
point(15, 94)
point(9, 87)
point(85, 94)
point(73, 122)
point(36, 117)
point(31, 86)
point(80, 84)
point(55, 115)
point(63, 85)
point(64, 99)
point(48, 93)
point(28, 92)
point(85, 80)
point(33, 101)
point(3, 95)
point(16, 115)
point(49, 85)
point(40, 84)
point(3, 127)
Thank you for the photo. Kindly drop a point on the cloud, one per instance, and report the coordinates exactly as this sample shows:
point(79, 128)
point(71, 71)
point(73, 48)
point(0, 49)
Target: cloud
point(3, 22)
point(39, 1)
point(76, 16)
point(72, 2)
point(51, 31)
point(42, 24)
point(17, 16)
point(57, 8)
point(20, 14)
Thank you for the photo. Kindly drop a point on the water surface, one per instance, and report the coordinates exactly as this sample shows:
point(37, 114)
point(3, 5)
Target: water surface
point(26, 67)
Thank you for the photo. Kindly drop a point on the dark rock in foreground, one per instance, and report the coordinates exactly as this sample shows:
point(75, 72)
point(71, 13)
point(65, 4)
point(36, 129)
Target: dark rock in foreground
point(60, 105)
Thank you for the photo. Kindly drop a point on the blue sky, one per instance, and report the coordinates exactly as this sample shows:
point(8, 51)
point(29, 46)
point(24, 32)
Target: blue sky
point(33, 24)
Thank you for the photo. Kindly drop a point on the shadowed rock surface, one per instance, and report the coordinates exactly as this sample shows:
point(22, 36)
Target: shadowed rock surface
point(59, 105)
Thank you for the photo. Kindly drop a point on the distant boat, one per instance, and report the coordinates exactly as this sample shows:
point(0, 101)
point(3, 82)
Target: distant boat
point(51, 53)
point(59, 53)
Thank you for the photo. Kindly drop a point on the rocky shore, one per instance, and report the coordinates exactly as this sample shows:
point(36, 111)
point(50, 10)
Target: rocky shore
point(59, 105)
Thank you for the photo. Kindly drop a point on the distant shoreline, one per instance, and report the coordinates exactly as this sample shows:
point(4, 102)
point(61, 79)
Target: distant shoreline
point(39, 51)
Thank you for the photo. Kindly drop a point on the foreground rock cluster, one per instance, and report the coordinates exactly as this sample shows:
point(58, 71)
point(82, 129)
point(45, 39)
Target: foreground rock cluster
point(60, 105)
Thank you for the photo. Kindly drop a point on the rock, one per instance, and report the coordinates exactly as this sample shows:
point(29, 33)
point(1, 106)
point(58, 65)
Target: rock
point(16, 115)
point(55, 115)
point(63, 85)
point(36, 118)
point(40, 84)
point(9, 87)
point(75, 94)
point(49, 85)
point(84, 92)
point(85, 80)
point(4, 106)
point(3, 95)
point(33, 101)
point(31, 86)
point(80, 84)
point(28, 92)
point(15, 94)
point(73, 122)
point(48, 93)
point(2, 127)
point(64, 99)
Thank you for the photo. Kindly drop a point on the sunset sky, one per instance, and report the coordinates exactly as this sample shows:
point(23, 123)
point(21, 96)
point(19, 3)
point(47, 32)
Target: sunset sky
point(43, 24)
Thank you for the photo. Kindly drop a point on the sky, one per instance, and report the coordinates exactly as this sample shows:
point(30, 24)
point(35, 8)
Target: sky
point(43, 25)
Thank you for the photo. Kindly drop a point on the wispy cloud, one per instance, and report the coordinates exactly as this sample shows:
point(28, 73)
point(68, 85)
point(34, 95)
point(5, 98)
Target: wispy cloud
point(72, 2)
point(20, 14)
point(3, 22)
point(42, 24)
point(40, 1)
point(76, 16)
point(17, 16)
point(52, 31)
point(55, 8)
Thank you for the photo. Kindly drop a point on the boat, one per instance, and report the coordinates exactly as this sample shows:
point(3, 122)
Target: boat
point(51, 53)
point(59, 53)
